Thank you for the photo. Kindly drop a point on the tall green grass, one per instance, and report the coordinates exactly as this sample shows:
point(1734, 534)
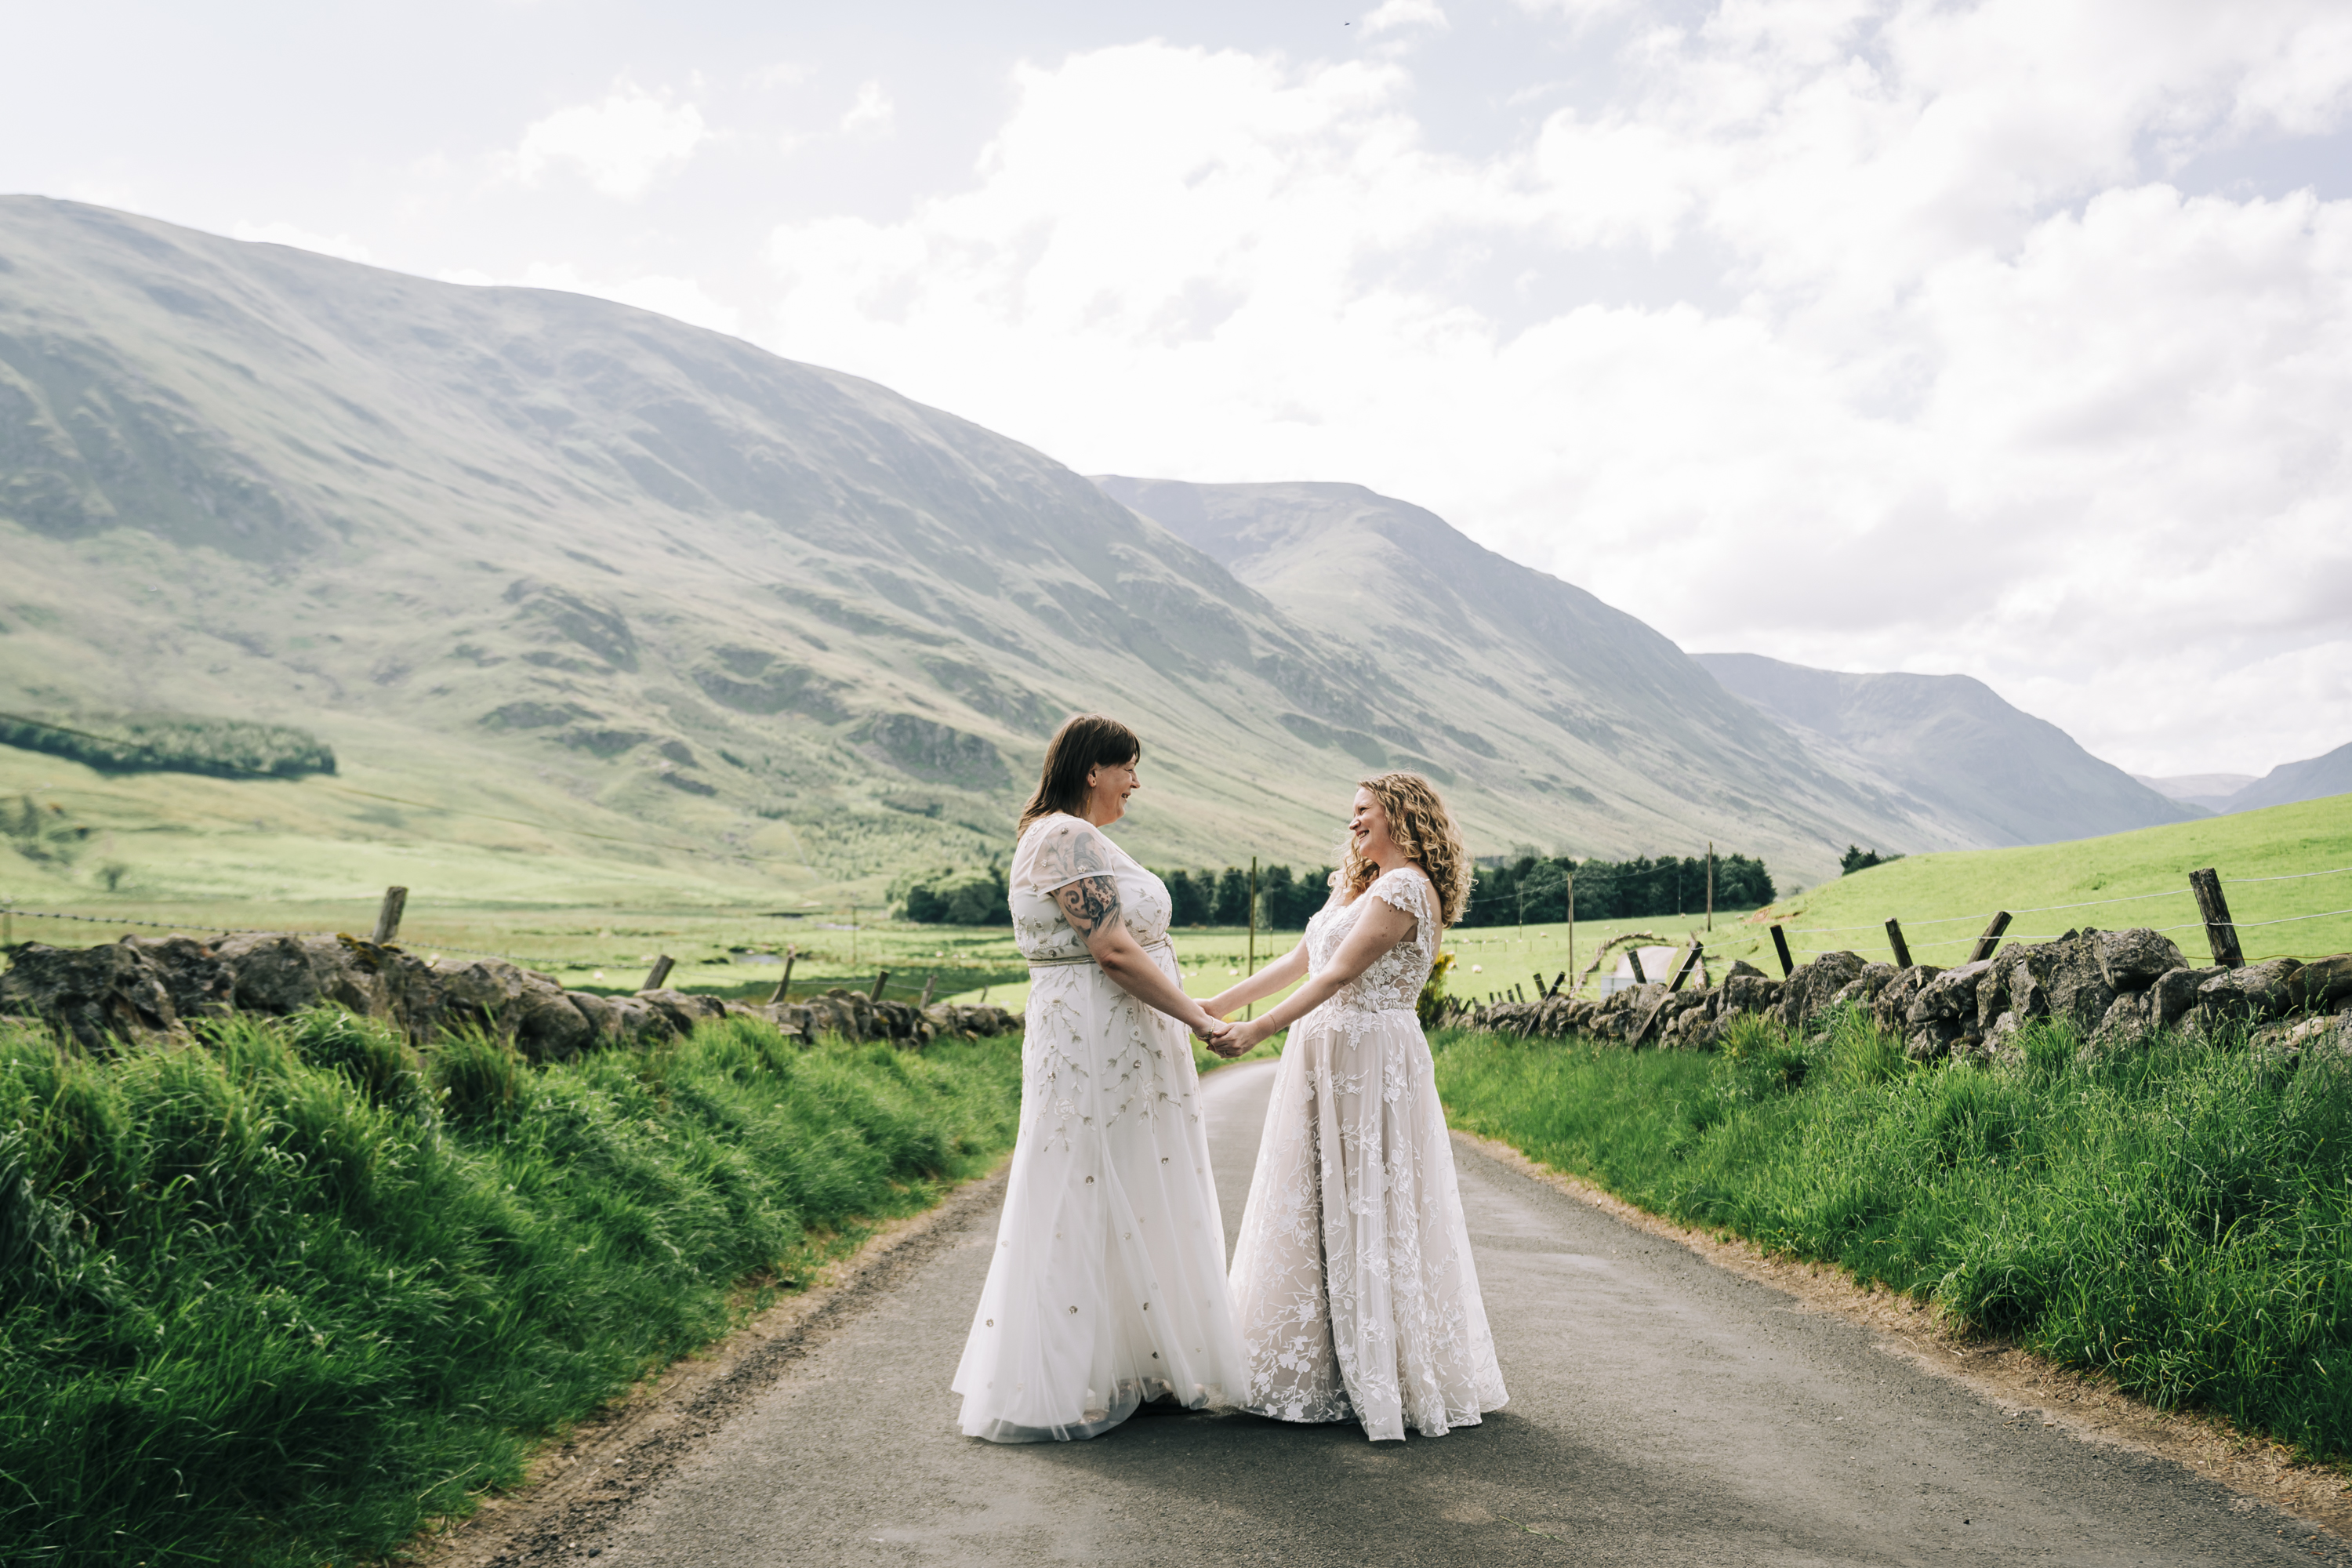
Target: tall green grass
point(2179, 1217)
point(279, 1296)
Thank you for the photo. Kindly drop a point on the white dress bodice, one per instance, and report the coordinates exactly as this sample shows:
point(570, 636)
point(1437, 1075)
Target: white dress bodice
point(1392, 981)
point(1058, 850)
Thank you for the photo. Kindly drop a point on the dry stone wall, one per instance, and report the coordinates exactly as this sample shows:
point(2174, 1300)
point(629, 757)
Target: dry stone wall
point(2113, 987)
point(145, 988)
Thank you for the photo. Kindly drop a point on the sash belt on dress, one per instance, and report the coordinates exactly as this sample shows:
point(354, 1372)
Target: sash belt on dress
point(1089, 958)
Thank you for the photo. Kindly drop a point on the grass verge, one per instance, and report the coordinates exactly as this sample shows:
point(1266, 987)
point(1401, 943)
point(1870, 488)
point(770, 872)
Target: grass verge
point(279, 1296)
point(2178, 1219)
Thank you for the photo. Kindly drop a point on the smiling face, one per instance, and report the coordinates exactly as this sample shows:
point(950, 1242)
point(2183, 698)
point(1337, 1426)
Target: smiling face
point(1107, 786)
point(1368, 829)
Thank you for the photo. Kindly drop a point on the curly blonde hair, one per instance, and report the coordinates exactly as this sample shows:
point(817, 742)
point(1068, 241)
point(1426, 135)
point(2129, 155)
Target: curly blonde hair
point(1420, 825)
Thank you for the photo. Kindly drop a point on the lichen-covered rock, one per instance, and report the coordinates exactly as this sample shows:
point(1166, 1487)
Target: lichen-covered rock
point(2175, 992)
point(684, 1009)
point(1753, 991)
point(1942, 1014)
point(2255, 991)
point(95, 996)
point(280, 973)
point(1890, 1009)
point(1808, 990)
point(2127, 1023)
point(199, 983)
point(1862, 990)
point(2319, 986)
point(2133, 960)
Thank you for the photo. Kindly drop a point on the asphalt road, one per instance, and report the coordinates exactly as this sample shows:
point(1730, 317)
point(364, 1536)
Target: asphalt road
point(1661, 1411)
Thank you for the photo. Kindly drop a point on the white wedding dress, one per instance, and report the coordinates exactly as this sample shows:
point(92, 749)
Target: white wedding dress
point(1352, 1279)
point(1107, 1286)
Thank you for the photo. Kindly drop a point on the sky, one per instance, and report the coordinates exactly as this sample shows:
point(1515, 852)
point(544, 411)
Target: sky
point(2010, 339)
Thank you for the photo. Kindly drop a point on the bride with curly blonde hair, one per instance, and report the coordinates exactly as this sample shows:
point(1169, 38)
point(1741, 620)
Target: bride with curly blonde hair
point(1352, 1282)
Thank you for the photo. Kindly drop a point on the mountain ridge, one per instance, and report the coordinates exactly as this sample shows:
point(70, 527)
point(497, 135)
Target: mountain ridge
point(1953, 740)
point(550, 544)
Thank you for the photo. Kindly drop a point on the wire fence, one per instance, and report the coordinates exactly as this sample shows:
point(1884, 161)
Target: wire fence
point(2203, 922)
point(14, 912)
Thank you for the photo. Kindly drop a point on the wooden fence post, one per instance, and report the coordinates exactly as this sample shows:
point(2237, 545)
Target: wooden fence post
point(928, 981)
point(2221, 932)
point(880, 981)
point(387, 915)
point(792, 956)
point(1895, 940)
point(1558, 981)
point(1780, 946)
point(1710, 884)
point(1634, 957)
point(1571, 924)
point(1990, 941)
point(1683, 970)
point(658, 973)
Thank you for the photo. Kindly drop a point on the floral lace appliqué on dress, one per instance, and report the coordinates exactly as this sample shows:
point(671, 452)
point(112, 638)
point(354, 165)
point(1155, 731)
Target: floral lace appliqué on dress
point(1352, 1279)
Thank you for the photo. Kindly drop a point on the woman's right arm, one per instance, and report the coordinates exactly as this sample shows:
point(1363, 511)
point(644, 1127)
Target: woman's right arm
point(1091, 905)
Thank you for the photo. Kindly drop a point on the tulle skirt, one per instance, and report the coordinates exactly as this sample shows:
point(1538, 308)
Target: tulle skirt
point(1352, 1279)
point(1107, 1286)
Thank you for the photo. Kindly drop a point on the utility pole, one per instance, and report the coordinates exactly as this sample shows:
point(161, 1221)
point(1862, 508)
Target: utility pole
point(1571, 930)
point(1250, 966)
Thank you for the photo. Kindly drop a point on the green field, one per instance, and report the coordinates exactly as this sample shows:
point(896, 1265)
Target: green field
point(2126, 879)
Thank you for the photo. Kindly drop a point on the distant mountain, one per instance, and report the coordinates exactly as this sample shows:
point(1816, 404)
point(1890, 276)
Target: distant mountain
point(2314, 778)
point(1950, 740)
point(2212, 791)
point(1627, 745)
point(653, 572)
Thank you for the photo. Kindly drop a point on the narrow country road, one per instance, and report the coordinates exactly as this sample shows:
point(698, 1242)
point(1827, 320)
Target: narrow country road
point(1661, 1411)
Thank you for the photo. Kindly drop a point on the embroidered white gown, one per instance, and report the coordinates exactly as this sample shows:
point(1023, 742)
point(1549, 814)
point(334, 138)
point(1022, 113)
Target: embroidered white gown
point(1108, 1286)
point(1352, 1279)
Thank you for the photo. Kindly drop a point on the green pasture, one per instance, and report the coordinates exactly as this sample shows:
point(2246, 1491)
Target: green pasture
point(2139, 879)
point(2178, 1218)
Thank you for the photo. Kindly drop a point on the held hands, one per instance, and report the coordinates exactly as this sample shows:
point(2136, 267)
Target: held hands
point(1233, 1039)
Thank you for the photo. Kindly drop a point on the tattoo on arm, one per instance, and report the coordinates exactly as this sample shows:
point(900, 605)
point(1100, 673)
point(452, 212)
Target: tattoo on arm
point(1090, 905)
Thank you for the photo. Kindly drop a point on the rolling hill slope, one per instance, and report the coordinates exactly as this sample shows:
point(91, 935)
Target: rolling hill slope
point(515, 545)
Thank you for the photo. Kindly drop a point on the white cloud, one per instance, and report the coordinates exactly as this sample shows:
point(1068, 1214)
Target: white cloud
point(872, 110)
point(620, 145)
point(1395, 13)
point(283, 233)
point(1973, 392)
point(680, 299)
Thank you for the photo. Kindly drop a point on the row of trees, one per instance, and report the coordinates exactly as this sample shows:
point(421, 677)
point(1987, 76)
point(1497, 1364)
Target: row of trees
point(1531, 888)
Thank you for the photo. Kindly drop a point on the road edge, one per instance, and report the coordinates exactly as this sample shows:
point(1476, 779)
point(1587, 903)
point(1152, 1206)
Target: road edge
point(578, 1486)
point(2022, 1384)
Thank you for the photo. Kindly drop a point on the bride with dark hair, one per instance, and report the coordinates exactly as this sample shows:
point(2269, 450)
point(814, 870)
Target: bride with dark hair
point(1107, 1286)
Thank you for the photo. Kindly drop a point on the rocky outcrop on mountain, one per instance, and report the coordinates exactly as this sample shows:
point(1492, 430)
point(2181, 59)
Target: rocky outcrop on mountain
point(2112, 987)
point(142, 989)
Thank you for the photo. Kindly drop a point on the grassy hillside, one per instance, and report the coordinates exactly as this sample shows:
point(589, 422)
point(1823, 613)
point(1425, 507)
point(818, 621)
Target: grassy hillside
point(1943, 900)
point(514, 539)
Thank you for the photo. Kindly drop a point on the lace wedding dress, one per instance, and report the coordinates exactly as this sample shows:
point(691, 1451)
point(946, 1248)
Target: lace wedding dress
point(1352, 1279)
point(1108, 1286)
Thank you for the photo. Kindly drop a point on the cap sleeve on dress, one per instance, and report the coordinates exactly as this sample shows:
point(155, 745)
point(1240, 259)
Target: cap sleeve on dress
point(1405, 888)
point(1069, 850)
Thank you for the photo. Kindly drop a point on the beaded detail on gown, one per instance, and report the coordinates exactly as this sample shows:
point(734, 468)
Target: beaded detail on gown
point(1107, 1284)
point(1352, 1279)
